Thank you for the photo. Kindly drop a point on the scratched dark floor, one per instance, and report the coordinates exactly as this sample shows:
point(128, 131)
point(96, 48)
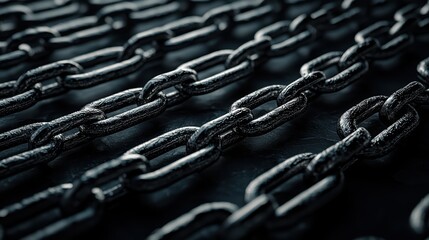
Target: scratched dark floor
point(377, 198)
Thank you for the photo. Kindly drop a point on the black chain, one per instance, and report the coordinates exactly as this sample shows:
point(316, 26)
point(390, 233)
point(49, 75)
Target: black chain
point(16, 16)
point(414, 93)
point(82, 201)
point(321, 174)
point(37, 42)
point(70, 74)
point(151, 101)
point(74, 207)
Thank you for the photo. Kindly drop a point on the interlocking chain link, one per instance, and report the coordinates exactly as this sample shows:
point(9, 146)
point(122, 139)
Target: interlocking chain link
point(150, 101)
point(132, 171)
point(17, 16)
point(139, 50)
point(37, 42)
point(322, 174)
point(73, 207)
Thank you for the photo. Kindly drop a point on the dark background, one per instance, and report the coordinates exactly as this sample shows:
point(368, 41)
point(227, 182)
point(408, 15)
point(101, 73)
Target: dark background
point(377, 198)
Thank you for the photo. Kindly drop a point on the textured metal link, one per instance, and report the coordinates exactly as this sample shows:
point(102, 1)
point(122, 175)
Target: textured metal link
point(274, 118)
point(387, 139)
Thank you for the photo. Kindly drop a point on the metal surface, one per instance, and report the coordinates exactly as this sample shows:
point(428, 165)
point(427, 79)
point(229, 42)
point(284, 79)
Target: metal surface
point(101, 192)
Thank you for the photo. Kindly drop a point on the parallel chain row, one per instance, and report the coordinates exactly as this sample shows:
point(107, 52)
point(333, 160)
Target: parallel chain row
point(114, 62)
point(82, 201)
point(321, 175)
point(16, 16)
point(46, 139)
point(38, 42)
point(22, 21)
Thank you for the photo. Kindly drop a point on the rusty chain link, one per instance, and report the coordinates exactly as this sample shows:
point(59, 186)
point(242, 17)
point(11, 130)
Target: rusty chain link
point(75, 207)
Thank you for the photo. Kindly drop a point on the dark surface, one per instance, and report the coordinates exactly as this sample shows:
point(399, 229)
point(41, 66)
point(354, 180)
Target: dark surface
point(377, 198)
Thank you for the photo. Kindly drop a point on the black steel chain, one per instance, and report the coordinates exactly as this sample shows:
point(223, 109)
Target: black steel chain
point(38, 42)
point(419, 220)
point(16, 16)
point(46, 141)
point(81, 202)
point(321, 174)
point(136, 53)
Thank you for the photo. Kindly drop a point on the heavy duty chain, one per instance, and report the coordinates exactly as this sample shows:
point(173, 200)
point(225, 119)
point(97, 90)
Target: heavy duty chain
point(322, 173)
point(46, 140)
point(17, 16)
point(31, 86)
point(81, 201)
point(38, 42)
point(97, 110)
point(419, 220)
point(74, 207)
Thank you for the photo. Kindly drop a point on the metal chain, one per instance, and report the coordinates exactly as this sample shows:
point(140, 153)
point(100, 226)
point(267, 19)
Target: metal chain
point(419, 221)
point(321, 174)
point(46, 140)
point(74, 207)
point(81, 202)
point(136, 53)
point(17, 16)
point(37, 42)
